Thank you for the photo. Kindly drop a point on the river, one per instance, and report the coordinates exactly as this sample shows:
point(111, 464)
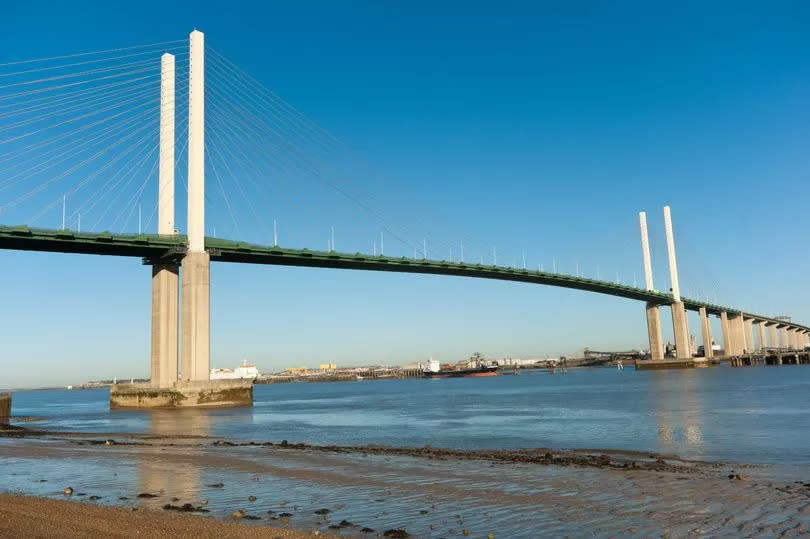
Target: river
point(744, 420)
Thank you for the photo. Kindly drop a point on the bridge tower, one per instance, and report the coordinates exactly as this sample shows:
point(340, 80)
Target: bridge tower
point(653, 312)
point(196, 265)
point(165, 275)
point(679, 321)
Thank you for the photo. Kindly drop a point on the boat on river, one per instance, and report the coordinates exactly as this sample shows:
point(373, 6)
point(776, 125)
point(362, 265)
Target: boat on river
point(436, 370)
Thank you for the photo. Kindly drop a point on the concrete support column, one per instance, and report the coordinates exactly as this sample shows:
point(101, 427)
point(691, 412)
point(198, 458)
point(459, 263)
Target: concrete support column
point(196, 324)
point(761, 334)
point(739, 334)
point(654, 332)
point(749, 335)
point(725, 326)
point(736, 335)
point(680, 326)
point(706, 329)
point(165, 276)
point(653, 311)
point(164, 324)
point(773, 337)
point(196, 278)
point(783, 337)
point(794, 339)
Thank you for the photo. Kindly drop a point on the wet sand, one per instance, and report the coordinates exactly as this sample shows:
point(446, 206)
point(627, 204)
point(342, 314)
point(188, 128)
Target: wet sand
point(366, 490)
point(26, 516)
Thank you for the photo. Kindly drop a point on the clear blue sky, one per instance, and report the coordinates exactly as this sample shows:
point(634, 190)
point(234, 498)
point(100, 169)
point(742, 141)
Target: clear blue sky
point(543, 128)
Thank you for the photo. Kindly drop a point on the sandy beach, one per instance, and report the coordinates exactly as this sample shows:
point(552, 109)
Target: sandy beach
point(27, 516)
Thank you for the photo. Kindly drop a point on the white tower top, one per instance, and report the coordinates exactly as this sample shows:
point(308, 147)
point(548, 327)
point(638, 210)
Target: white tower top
point(645, 250)
point(166, 172)
point(673, 264)
point(196, 142)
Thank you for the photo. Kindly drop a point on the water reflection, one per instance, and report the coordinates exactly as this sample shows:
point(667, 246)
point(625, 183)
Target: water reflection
point(678, 411)
point(181, 427)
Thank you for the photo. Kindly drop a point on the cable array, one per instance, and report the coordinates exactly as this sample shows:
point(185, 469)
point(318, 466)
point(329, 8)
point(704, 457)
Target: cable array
point(79, 136)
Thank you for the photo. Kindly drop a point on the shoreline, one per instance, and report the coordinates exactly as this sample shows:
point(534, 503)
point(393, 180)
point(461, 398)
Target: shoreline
point(372, 491)
point(584, 457)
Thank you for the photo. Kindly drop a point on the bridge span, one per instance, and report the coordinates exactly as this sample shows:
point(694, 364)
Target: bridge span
point(158, 248)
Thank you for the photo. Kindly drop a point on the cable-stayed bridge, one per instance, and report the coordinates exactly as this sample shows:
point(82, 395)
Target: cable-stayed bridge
point(103, 135)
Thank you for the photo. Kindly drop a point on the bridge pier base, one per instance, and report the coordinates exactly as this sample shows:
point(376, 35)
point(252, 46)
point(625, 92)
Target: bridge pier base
point(195, 321)
point(202, 394)
point(164, 324)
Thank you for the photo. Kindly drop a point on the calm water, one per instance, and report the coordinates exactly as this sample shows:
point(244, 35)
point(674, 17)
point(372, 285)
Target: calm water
point(756, 414)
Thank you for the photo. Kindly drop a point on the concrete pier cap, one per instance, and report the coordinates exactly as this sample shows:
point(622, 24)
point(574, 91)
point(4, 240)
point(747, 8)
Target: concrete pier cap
point(183, 394)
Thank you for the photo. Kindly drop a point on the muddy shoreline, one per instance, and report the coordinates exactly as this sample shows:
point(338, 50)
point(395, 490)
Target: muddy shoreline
point(599, 458)
point(368, 490)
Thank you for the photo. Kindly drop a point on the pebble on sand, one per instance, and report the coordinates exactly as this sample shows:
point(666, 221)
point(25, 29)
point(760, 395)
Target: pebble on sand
point(399, 533)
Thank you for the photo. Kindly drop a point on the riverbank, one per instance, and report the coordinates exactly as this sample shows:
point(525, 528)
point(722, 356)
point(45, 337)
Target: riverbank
point(28, 516)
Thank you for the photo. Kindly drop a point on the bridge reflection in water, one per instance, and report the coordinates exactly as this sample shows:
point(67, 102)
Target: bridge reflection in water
point(179, 475)
point(679, 414)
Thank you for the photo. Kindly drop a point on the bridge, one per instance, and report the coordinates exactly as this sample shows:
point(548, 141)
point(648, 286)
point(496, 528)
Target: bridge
point(181, 263)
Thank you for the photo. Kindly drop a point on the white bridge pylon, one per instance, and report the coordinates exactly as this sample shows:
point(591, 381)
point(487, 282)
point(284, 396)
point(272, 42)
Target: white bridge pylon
point(194, 270)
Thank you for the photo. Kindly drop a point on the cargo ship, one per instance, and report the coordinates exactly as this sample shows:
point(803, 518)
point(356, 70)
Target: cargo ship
point(435, 370)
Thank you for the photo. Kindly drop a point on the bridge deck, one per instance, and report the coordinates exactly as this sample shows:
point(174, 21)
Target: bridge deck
point(155, 248)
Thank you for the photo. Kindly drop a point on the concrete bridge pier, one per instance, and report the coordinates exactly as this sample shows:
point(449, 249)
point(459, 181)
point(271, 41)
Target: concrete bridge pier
point(706, 329)
point(783, 337)
point(165, 276)
point(194, 387)
point(680, 326)
point(761, 335)
point(725, 327)
point(164, 324)
point(653, 310)
point(749, 335)
point(654, 332)
point(196, 323)
point(736, 335)
point(739, 334)
point(773, 338)
point(680, 323)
